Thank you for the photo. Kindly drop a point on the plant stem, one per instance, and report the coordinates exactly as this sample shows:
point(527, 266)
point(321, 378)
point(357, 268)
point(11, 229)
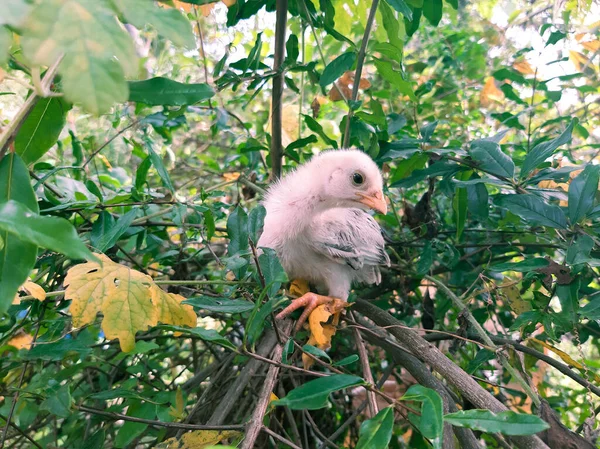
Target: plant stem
point(360, 60)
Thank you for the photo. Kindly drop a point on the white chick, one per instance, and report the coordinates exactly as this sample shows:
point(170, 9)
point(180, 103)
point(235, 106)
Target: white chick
point(317, 224)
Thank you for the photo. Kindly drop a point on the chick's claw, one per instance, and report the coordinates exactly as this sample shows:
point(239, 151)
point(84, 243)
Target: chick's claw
point(310, 301)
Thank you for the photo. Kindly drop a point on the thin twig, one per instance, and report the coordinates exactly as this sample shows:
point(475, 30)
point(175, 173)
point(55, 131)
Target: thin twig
point(279, 437)
point(101, 147)
point(367, 374)
point(170, 425)
point(18, 429)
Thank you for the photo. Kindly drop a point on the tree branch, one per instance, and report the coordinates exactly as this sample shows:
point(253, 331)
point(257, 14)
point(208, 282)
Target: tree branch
point(453, 374)
point(281, 7)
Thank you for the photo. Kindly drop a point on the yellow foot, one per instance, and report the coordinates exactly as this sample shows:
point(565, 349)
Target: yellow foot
point(310, 301)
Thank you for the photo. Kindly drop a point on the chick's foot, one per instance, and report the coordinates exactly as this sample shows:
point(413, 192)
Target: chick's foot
point(310, 301)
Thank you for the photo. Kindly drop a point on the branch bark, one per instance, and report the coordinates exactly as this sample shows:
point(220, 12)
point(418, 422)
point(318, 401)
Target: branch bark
point(453, 374)
point(235, 391)
point(255, 425)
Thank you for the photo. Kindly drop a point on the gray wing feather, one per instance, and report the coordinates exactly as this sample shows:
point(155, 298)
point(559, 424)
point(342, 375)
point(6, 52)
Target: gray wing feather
point(353, 237)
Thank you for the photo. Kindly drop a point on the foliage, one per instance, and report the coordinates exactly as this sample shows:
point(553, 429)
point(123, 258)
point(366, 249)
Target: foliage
point(137, 142)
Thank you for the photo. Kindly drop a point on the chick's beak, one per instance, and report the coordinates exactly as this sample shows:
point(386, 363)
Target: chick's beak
point(375, 201)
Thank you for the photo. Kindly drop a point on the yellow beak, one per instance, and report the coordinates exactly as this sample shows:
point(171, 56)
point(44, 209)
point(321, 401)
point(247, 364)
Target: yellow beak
point(375, 201)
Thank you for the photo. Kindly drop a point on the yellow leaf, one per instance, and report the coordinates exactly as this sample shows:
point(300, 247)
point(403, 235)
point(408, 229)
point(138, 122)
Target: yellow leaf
point(198, 439)
point(21, 341)
point(31, 288)
point(579, 60)
point(566, 358)
point(170, 309)
point(229, 3)
point(515, 300)
point(523, 67)
point(232, 176)
point(273, 397)
point(298, 287)
point(321, 333)
point(592, 46)
point(490, 93)
point(129, 300)
point(178, 412)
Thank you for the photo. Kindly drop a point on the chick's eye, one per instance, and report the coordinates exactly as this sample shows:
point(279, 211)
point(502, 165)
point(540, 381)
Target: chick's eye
point(357, 179)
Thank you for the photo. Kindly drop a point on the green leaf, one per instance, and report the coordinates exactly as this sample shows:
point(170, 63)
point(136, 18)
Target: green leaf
point(544, 150)
point(96, 441)
point(237, 230)
point(163, 91)
point(394, 77)
point(478, 200)
point(59, 403)
point(592, 309)
point(223, 305)
point(170, 23)
point(142, 173)
point(337, 67)
point(426, 258)
point(489, 157)
point(301, 143)
point(412, 26)
point(90, 72)
point(315, 127)
point(291, 49)
point(482, 356)
point(256, 222)
point(579, 251)
point(508, 422)
point(428, 130)
point(313, 394)
point(106, 237)
point(432, 10)
point(391, 24)
point(41, 128)
point(131, 430)
point(256, 322)
point(568, 296)
point(431, 422)
point(347, 360)
point(531, 207)
point(205, 334)
point(318, 353)
point(582, 192)
point(160, 168)
point(376, 432)
point(272, 270)
point(54, 233)
point(17, 257)
point(57, 350)
point(523, 266)
point(401, 7)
